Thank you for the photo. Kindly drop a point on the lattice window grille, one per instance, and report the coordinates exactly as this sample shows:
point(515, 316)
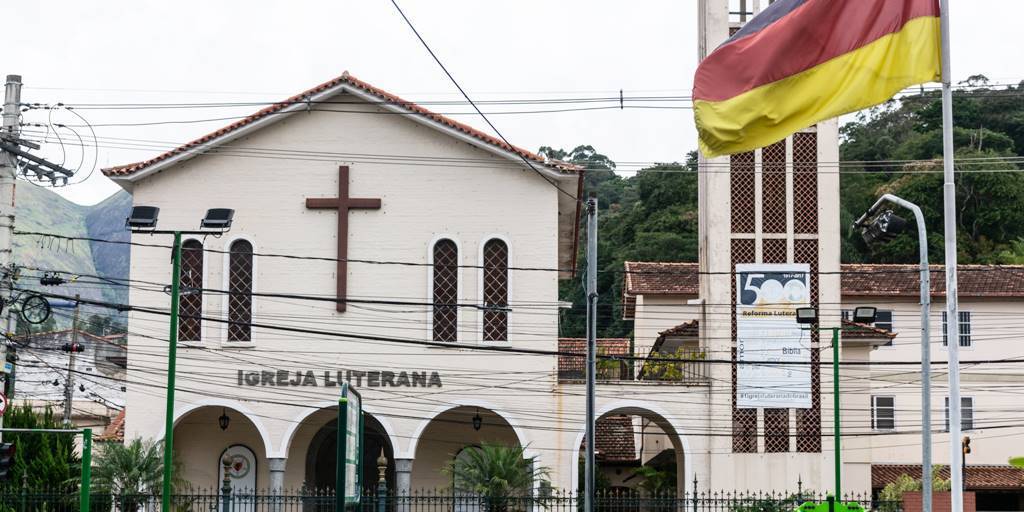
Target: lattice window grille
point(741, 186)
point(240, 278)
point(495, 291)
point(445, 291)
point(744, 421)
point(190, 308)
point(774, 250)
point(773, 188)
point(805, 182)
point(809, 420)
point(776, 430)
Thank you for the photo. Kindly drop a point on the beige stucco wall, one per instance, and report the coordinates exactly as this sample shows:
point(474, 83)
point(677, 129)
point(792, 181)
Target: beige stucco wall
point(994, 387)
point(419, 205)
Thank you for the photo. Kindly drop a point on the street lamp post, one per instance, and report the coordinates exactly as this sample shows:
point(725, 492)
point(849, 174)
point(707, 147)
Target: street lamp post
point(809, 316)
point(883, 228)
point(143, 219)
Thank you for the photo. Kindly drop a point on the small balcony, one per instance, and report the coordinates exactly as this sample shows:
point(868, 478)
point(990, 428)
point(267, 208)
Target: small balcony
point(619, 363)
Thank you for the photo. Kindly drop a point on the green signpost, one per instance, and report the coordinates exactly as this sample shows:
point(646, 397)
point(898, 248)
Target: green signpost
point(350, 448)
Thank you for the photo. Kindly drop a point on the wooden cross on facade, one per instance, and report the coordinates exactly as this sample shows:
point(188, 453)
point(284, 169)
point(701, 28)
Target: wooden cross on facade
point(343, 203)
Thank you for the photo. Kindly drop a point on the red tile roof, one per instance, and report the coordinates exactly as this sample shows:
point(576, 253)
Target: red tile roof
point(614, 439)
point(865, 331)
point(858, 280)
point(654, 278)
point(979, 477)
point(115, 430)
point(874, 280)
point(687, 330)
point(605, 346)
point(345, 79)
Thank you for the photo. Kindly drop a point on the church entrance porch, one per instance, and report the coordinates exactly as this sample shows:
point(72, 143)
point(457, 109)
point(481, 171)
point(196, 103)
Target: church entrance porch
point(313, 448)
point(638, 452)
point(448, 436)
point(206, 434)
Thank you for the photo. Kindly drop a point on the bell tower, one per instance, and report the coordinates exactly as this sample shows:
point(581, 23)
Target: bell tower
point(778, 204)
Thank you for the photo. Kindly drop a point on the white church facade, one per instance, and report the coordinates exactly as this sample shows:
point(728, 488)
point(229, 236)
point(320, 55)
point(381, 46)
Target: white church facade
point(418, 259)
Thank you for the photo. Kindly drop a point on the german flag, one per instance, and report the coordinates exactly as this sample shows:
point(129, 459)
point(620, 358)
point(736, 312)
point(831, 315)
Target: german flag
point(800, 62)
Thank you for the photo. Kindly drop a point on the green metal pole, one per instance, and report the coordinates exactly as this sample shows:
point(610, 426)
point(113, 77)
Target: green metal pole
point(835, 406)
point(86, 469)
point(172, 354)
point(339, 478)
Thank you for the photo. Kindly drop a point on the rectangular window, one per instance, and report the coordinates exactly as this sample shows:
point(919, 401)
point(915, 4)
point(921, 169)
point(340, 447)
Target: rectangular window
point(964, 328)
point(966, 413)
point(883, 413)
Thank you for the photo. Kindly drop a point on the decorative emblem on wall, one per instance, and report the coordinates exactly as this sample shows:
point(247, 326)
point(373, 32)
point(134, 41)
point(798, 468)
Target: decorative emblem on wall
point(240, 466)
point(242, 469)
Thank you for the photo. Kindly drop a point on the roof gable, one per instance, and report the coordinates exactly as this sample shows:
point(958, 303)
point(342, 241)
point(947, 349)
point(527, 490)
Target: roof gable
point(345, 83)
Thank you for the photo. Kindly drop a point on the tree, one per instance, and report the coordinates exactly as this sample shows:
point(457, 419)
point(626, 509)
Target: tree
point(47, 460)
point(989, 133)
point(892, 493)
point(495, 472)
point(130, 470)
point(656, 482)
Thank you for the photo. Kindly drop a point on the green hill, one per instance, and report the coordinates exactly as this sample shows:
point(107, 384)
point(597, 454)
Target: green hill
point(41, 210)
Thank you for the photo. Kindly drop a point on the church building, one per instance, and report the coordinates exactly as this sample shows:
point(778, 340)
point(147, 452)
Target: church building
point(374, 242)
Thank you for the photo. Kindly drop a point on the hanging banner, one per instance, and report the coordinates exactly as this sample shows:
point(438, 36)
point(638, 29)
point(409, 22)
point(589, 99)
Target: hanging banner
point(767, 297)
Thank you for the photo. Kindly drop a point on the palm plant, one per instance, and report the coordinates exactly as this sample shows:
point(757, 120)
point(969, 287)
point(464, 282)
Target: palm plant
point(130, 470)
point(496, 472)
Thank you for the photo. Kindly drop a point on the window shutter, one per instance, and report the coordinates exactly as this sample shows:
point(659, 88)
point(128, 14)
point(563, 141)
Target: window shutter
point(495, 297)
point(240, 279)
point(445, 290)
point(190, 307)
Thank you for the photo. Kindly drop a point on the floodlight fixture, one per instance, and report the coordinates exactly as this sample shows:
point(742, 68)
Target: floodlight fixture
point(218, 219)
point(883, 228)
point(142, 218)
point(807, 316)
point(865, 314)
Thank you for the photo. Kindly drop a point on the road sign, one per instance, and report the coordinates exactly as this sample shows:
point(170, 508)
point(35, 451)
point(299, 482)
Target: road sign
point(350, 447)
point(3, 404)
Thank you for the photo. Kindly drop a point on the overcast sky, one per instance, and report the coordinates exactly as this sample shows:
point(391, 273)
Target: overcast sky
point(124, 51)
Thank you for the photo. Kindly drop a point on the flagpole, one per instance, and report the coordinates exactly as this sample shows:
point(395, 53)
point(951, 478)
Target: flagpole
point(952, 317)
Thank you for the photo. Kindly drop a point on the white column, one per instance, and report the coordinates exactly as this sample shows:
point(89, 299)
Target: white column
point(276, 466)
point(403, 483)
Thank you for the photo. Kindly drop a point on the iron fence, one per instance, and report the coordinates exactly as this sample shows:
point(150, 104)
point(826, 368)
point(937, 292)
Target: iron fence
point(303, 500)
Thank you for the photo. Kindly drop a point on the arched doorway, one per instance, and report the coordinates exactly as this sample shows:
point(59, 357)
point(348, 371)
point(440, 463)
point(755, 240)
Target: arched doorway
point(321, 455)
point(638, 451)
point(206, 433)
point(443, 438)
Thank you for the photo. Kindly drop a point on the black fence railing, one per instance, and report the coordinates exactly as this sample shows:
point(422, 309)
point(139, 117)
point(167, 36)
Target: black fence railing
point(26, 500)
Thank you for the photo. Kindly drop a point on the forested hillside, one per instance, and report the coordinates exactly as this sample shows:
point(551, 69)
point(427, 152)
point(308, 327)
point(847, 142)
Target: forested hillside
point(41, 210)
point(894, 148)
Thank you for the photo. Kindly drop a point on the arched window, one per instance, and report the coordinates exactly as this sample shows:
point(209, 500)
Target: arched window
point(240, 291)
point(495, 297)
point(446, 290)
point(190, 309)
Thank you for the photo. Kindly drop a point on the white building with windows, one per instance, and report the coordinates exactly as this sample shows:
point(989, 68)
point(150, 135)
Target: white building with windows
point(882, 405)
point(382, 245)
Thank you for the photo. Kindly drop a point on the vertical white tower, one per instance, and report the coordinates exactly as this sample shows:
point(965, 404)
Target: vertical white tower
point(778, 204)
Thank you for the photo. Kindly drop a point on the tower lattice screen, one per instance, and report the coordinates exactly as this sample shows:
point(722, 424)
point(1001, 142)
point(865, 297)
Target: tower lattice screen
point(808, 421)
point(741, 186)
point(744, 421)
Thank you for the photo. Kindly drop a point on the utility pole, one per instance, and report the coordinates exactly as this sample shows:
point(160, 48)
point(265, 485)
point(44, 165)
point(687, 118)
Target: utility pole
point(589, 468)
point(8, 174)
point(949, 229)
point(69, 384)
